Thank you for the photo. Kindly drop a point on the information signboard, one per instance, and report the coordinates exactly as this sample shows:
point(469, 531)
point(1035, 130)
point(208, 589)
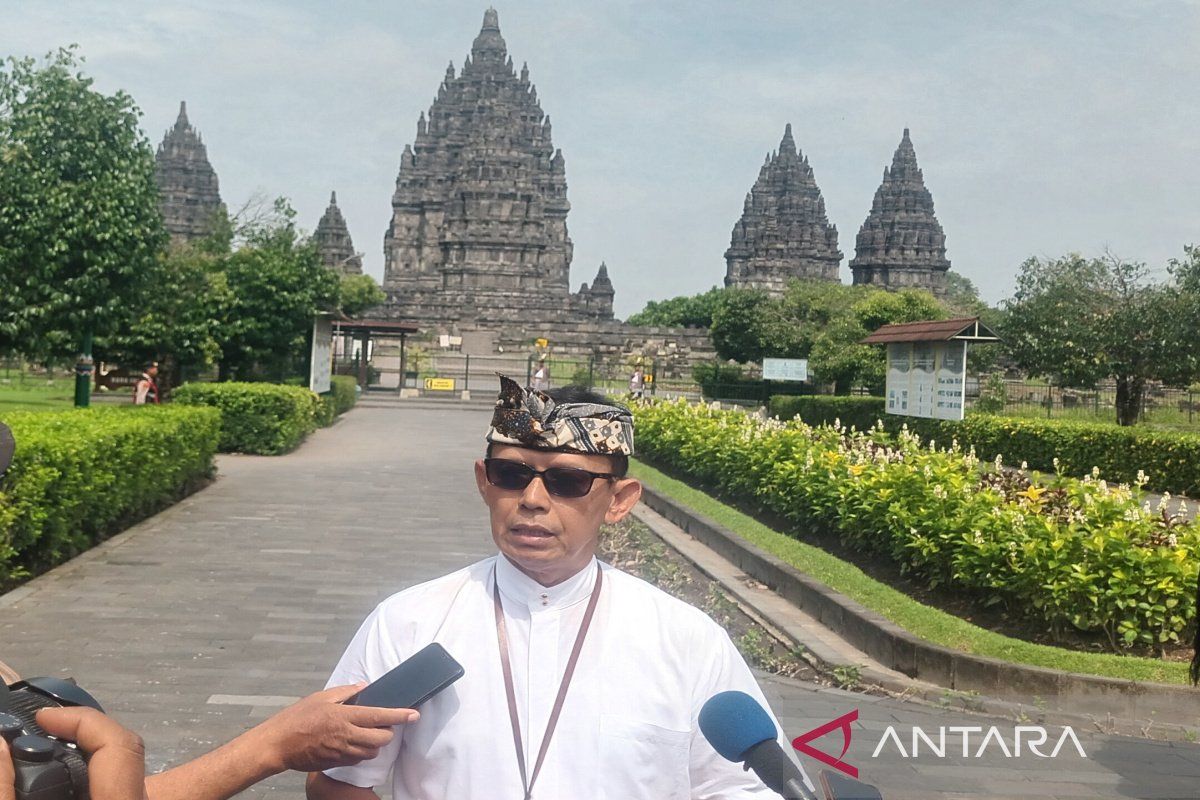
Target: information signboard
point(439, 384)
point(321, 357)
point(785, 369)
point(926, 379)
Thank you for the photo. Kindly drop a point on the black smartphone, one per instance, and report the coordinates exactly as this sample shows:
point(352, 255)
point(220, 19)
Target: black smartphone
point(419, 678)
point(839, 787)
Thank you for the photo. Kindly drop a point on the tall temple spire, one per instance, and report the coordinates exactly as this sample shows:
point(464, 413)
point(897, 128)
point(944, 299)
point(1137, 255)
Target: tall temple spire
point(334, 244)
point(901, 244)
point(783, 232)
point(189, 193)
point(479, 213)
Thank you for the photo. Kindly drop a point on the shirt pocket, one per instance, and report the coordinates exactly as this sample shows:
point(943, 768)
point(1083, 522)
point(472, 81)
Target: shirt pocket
point(642, 760)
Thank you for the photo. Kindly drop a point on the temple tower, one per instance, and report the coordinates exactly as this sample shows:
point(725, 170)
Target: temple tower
point(784, 232)
point(479, 214)
point(901, 244)
point(332, 237)
point(189, 196)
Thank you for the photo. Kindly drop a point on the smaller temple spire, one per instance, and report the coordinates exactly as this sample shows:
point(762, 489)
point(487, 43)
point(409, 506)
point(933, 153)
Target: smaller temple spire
point(182, 120)
point(334, 244)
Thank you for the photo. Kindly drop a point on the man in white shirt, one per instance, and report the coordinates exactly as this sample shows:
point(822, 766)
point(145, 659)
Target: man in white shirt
point(581, 682)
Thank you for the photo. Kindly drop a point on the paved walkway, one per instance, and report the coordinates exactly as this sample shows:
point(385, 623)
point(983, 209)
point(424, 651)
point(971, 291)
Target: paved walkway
point(207, 618)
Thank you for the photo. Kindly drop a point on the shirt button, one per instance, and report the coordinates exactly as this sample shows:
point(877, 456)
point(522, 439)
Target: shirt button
point(545, 599)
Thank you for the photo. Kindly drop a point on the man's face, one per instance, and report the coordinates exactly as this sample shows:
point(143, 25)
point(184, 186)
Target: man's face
point(551, 538)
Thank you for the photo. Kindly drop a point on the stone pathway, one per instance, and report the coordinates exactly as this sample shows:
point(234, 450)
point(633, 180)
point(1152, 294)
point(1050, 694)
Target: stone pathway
point(207, 618)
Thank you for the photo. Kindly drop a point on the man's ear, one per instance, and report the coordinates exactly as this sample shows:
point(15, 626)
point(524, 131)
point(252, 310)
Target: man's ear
point(481, 481)
point(627, 492)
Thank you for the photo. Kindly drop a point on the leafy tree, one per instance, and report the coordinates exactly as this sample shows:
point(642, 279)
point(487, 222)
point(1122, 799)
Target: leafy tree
point(737, 324)
point(695, 311)
point(357, 293)
point(276, 284)
point(179, 323)
point(1079, 321)
point(80, 229)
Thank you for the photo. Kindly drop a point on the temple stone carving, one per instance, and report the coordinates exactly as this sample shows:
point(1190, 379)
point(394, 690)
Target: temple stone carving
point(333, 241)
point(189, 195)
point(479, 214)
point(784, 232)
point(901, 245)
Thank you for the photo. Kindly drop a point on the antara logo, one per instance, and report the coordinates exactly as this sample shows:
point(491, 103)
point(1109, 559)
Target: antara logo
point(1032, 736)
point(801, 743)
point(974, 741)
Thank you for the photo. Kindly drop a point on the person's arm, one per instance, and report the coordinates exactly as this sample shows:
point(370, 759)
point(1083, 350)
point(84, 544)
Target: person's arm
point(139, 393)
point(317, 733)
point(322, 787)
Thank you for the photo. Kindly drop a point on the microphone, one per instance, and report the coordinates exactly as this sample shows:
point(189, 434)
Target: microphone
point(741, 730)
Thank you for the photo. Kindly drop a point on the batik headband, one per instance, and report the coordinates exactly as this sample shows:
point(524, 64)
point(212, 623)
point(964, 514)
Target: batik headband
point(529, 418)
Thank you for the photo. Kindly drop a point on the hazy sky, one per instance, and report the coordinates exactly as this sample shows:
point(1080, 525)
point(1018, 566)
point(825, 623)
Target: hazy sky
point(1041, 128)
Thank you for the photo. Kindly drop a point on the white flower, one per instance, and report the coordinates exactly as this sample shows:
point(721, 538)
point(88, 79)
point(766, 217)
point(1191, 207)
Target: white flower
point(1173, 540)
point(1102, 486)
point(1056, 463)
point(1141, 479)
point(1024, 465)
point(1095, 472)
point(939, 492)
point(998, 462)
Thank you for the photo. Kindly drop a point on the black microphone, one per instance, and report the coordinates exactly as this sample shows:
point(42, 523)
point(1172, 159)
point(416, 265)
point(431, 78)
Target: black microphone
point(741, 730)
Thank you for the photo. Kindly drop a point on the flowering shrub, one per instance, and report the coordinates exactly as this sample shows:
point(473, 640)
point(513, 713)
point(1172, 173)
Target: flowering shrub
point(1076, 553)
point(1170, 459)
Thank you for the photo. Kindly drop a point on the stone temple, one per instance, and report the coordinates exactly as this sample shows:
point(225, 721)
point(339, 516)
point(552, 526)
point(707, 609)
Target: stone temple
point(784, 232)
point(333, 241)
point(901, 244)
point(189, 196)
point(479, 215)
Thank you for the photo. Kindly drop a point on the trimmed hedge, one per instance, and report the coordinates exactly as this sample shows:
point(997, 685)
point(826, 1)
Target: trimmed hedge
point(344, 392)
point(1168, 461)
point(79, 476)
point(1077, 554)
point(857, 412)
point(260, 418)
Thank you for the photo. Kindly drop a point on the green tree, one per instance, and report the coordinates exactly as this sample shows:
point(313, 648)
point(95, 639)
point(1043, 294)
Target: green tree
point(80, 229)
point(1079, 321)
point(179, 323)
point(694, 311)
point(276, 284)
point(357, 293)
point(737, 324)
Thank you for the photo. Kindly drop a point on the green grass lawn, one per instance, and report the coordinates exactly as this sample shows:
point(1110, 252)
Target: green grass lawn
point(921, 620)
point(39, 395)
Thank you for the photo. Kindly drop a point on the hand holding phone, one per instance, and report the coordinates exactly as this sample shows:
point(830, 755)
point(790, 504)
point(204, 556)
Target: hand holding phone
point(429, 671)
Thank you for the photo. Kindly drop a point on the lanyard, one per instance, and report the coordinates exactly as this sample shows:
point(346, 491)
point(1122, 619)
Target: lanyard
point(510, 689)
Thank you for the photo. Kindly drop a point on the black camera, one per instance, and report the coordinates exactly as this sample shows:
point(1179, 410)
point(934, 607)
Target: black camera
point(47, 768)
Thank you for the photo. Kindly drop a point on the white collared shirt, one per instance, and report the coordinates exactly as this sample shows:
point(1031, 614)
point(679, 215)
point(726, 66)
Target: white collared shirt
point(628, 726)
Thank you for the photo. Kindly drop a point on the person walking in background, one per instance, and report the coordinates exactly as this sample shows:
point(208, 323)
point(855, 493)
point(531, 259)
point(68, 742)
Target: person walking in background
point(637, 384)
point(541, 378)
point(146, 390)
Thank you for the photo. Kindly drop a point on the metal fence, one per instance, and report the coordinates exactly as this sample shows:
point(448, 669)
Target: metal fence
point(1161, 405)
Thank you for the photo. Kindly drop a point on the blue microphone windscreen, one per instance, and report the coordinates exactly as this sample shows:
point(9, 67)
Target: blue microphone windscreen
point(733, 722)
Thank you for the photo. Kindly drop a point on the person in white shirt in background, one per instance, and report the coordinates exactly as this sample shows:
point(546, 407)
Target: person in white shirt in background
point(581, 682)
point(541, 378)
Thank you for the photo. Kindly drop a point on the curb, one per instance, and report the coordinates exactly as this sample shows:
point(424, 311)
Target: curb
point(1066, 693)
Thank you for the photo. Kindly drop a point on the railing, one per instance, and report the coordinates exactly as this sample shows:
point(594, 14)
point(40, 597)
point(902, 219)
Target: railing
point(1161, 405)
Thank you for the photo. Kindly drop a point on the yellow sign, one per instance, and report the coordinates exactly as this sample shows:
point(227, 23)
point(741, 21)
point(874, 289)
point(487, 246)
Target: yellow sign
point(542, 343)
point(440, 384)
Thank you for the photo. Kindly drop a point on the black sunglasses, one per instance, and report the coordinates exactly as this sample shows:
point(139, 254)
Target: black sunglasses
point(559, 481)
